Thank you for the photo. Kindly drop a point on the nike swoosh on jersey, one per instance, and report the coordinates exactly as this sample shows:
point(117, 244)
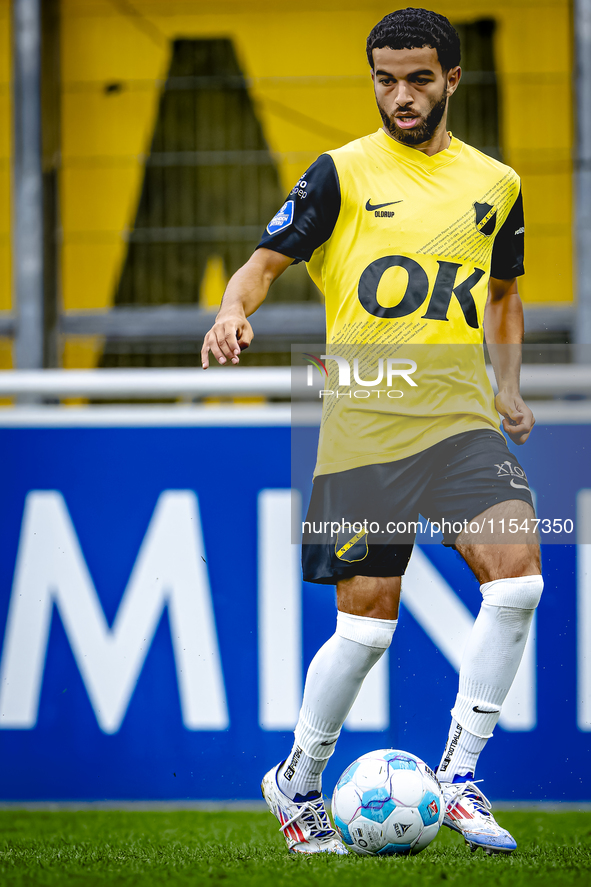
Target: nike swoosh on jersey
point(370, 208)
point(518, 486)
point(484, 711)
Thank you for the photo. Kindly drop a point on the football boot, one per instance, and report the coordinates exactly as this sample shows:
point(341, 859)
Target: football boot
point(304, 821)
point(468, 811)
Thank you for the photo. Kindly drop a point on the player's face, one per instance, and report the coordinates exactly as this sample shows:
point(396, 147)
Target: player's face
point(412, 92)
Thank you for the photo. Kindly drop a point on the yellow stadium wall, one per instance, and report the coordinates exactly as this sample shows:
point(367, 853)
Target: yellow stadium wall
point(302, 59)
point(5, 155)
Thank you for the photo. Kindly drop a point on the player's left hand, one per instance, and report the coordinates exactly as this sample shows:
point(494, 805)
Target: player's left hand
point(518, 419)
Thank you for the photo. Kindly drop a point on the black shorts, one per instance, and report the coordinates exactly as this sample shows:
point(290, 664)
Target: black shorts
point(374, 510)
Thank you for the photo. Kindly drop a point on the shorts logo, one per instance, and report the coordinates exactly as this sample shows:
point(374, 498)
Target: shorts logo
point(282, 219)
point(354, 548)
point(508, 469)
point(486, 218)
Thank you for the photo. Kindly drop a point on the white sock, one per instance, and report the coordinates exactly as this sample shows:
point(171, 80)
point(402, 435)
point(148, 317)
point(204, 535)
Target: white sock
point(489, 666)
point(461, 753)
point(333, 682)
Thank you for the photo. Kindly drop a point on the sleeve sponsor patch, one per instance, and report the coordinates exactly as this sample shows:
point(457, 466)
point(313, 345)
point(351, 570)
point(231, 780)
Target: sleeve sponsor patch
point(309, 214)
point(281, 219)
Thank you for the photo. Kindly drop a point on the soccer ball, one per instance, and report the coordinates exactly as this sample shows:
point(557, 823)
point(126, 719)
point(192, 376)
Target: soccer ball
point(387, 802)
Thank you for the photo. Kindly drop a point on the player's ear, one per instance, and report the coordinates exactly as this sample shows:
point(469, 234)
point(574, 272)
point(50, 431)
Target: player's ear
point(453, 79)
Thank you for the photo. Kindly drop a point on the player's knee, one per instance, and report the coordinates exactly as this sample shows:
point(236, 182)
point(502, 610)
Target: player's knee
point(370, 597)
point(523, 592)
point(376, 633)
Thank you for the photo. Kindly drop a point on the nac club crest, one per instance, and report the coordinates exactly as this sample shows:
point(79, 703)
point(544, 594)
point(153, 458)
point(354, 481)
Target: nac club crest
point(486, 218)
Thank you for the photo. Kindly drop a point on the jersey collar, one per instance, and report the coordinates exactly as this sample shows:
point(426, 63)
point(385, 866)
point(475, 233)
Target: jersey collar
point(418, 158)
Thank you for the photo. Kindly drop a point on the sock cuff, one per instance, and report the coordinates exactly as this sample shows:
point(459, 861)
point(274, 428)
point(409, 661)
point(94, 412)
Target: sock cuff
point(522, 592)
point(478, 716)
point(461, 753)
point(364, 630)
point(316, 737)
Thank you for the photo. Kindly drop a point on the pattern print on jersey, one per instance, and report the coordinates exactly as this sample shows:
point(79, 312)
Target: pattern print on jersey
point(378, 332)
point(461, 240)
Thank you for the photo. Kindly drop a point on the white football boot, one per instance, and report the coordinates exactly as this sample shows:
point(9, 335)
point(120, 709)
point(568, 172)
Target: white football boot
point(467, 811)
point(305, 824)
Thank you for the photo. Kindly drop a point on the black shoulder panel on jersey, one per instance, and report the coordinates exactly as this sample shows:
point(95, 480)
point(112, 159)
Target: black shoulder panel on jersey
point(507, 255)
point(307, 218)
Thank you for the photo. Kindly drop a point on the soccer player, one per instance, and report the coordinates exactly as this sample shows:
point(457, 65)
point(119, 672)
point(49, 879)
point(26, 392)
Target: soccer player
point(412, 217)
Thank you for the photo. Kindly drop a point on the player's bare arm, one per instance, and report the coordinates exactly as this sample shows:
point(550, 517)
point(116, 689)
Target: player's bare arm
point(503, 326)
point(246, 291)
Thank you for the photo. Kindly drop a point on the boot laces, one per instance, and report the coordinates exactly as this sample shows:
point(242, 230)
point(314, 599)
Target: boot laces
point(472, 793)
point(314, 815)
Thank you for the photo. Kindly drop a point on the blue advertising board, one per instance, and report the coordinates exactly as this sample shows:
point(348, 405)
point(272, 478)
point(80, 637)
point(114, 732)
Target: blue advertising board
point(156, 630)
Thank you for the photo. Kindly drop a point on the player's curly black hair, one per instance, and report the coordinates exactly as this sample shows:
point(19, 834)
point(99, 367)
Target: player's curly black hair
point(414, 28)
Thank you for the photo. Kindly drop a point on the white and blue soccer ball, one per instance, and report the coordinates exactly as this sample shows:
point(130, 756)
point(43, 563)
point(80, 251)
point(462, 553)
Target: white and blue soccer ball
point(387, 802)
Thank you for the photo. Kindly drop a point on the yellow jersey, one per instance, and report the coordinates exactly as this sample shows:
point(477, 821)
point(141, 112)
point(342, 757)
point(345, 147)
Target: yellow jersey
point(402, 246)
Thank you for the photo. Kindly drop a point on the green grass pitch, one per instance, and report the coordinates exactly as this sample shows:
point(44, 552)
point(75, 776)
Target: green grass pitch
point(85, 848)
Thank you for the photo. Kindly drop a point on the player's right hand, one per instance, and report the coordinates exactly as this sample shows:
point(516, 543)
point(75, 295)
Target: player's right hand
point(226, 339)
point(518, 419)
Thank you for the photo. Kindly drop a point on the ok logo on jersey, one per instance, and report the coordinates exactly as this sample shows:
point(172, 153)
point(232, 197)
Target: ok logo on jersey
point(417, 290)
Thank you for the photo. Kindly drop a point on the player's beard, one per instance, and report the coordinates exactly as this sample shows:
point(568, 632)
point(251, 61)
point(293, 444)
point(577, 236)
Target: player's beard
point(424, 130)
